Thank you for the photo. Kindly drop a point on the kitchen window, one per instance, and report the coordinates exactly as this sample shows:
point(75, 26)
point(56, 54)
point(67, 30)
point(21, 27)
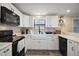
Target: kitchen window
point(75, 25)
point(39, 26)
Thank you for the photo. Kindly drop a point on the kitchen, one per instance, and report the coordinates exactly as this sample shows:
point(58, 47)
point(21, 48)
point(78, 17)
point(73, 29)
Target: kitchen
point(39, 29)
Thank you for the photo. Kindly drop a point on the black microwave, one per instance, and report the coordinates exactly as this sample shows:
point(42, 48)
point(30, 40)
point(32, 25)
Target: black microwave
point(8, 17)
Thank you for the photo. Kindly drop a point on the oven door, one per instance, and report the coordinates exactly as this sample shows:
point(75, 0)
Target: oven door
point(21, 45)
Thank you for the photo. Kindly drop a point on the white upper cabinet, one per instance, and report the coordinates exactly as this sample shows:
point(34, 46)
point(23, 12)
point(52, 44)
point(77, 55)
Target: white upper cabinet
point(31, 20)
point(51, 21)
point(25, 21)
point(21, 20)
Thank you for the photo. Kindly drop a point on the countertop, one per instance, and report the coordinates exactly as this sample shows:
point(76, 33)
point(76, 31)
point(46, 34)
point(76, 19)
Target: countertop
point(71, 37)
point(4, 45)
point(41, 36)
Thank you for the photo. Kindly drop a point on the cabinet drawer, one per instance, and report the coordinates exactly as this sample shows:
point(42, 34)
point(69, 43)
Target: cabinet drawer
point(71, 43)
point(6, 51)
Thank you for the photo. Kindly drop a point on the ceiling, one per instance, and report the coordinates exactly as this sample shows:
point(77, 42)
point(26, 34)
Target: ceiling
point(48, 8)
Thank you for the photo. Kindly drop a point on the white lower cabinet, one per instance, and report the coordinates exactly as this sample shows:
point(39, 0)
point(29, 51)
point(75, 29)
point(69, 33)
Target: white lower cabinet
point(52, 44)
point(28, 38)
point(27, 42)
point(39, 44)
point(71, 48)
point(42, 44)
point(77, 49)
point(35, 44)
point(7, 51)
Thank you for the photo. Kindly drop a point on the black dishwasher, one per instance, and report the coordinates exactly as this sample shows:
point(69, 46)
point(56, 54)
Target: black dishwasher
point(63, 45)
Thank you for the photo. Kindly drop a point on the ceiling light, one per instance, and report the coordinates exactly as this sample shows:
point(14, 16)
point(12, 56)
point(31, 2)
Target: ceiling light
point(68, 11)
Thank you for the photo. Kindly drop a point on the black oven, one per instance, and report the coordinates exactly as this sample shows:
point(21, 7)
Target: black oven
point(6, 36)
point(8, 17)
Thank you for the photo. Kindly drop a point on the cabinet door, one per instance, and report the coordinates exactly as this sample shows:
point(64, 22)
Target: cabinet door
point(7, 51)
point(29, 38)
point(43, 44)
point(48, 21)
point(21, 20)
point(25, 44)
point(71, 48)
point(51, 21)
point(77, 49)
point(51, 44)
point(31, 21)
point(35, 44)
point(54, 21)
point(71, 51)
point(39, 44)
point(25, 20)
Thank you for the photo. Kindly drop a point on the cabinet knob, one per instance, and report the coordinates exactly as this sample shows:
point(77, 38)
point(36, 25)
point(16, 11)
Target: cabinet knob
point(6, 50)
point(70, 42)
point(12, 9)
point(72, 48)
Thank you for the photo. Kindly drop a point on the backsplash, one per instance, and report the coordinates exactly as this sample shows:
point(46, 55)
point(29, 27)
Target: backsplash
point(16, 30)
point(33, 31)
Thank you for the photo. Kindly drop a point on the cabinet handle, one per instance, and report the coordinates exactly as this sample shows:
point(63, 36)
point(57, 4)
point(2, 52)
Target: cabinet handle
point(72, 48)
point(12, 9)
point(6, 50)
point(70, 42)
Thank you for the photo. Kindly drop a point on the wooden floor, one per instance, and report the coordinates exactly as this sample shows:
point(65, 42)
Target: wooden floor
point(43, 53)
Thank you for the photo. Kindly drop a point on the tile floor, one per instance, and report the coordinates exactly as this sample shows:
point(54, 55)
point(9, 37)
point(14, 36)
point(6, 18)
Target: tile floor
point(43, 53)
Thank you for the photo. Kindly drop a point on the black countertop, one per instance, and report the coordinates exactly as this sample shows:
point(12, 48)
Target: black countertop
point(17, 38)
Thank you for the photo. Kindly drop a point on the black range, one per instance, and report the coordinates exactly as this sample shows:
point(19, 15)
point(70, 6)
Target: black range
point(7, 36)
